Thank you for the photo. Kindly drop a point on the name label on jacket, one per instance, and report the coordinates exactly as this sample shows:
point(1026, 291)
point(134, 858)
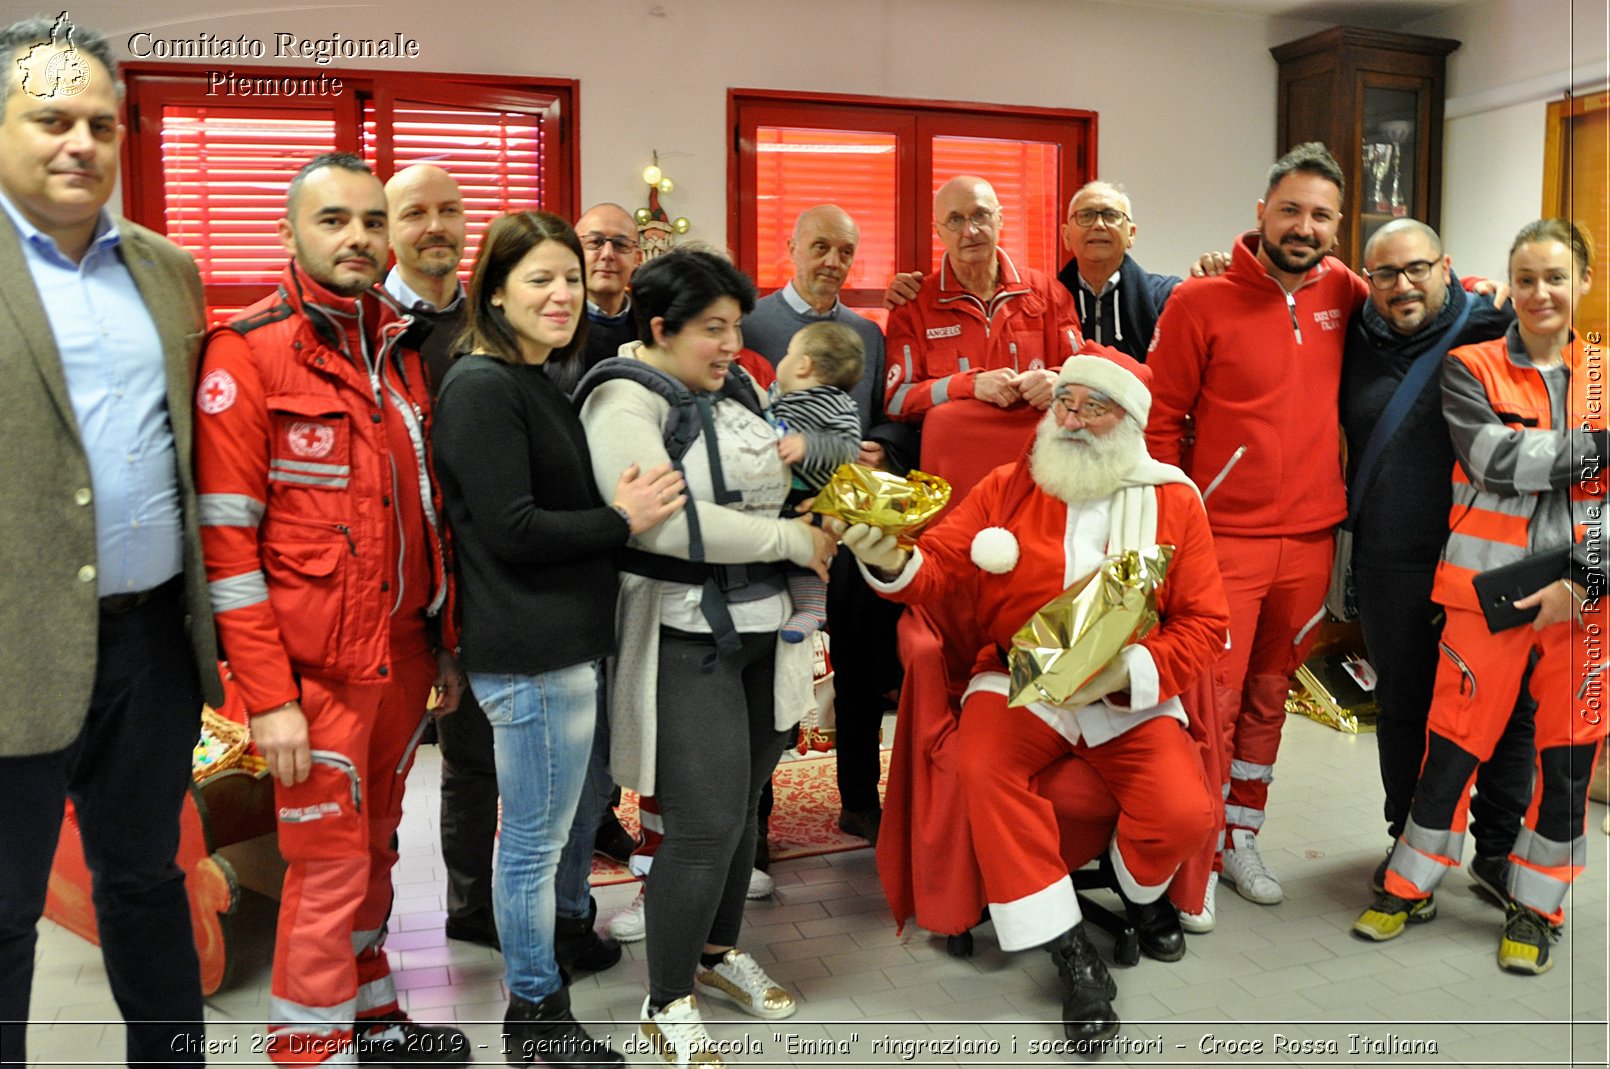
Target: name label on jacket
point(952, 331)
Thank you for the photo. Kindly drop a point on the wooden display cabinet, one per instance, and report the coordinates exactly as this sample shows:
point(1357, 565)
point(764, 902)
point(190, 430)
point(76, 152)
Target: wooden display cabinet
point(1375, 99)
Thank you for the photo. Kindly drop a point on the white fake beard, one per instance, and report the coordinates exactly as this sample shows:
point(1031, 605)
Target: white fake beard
point(1080, 466)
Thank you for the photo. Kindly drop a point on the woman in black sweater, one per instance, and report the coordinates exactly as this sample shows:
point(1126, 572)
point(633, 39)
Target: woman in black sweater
point(534, 543)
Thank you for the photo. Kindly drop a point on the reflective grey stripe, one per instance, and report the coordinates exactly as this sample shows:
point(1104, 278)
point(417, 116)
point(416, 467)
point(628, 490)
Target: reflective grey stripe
point(1465, 495)
point(1241, 816)
point(229, 510)
point(1440, 842)
point(338, 481)
point(1534, 460)
point(1235, 458)
point(373, 939)
point(1589, 679)
point(939, 392)
point(335, 1019)
point(1548, 853)
point(237, 591)
point(1225, 792)
point(1422, 870)
point(1313, 621)
point(1073, 342)
point(1538, 890)
point(964, 364)
point(897, 403)
point(310, 467)
point(1248, 771)
point(376, 994)
point(1480, 554)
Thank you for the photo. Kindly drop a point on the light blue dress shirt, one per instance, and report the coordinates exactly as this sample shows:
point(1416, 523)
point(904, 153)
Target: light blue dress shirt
point(112, 358)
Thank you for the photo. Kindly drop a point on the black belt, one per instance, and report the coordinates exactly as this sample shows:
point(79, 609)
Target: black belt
point(118, 604)
point(766, 578)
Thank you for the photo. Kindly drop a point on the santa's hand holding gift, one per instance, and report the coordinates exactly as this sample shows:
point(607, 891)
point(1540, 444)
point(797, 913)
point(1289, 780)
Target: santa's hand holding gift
point(1087, 491)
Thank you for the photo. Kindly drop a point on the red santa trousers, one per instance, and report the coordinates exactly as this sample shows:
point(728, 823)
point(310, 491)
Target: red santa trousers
point(1276, 590)
point(336, 830)
point(1477, 674)
point(1166, 813)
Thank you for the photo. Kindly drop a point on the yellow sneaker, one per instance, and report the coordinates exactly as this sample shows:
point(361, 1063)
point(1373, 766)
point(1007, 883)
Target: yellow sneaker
point(1391, 914)
point(1524, 947)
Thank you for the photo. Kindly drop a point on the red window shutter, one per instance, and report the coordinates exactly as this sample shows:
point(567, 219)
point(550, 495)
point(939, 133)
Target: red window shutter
point(225, 171)
point(1024, 175)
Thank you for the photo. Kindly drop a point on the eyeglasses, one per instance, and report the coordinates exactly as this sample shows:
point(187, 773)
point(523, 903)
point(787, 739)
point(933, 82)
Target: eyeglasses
point(1089, 410)
point(982, 219)
point(1085, 218)
point(595, 242)
point(1384, 278)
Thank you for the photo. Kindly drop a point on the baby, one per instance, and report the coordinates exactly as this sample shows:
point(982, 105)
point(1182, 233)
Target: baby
point(820, 430)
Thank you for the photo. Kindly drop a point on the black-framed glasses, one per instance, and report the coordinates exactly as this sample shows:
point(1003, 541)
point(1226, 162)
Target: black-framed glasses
point(1085, 218)
point(1089, 409)
point(1384, 278)
point(595, 242)
point(982, 219)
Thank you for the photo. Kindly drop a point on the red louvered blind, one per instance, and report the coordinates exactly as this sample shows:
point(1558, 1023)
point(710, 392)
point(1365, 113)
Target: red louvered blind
point(881, 160)
point(1024, 176)
point(225, 171)
point(799, 169)
point(496, 157)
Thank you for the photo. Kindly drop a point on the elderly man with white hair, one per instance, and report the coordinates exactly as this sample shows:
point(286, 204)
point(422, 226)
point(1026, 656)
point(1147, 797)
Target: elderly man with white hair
point(1086, 489)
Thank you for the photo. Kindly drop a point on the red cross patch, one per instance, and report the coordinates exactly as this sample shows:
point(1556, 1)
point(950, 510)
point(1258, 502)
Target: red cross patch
point(216, 392)
point(310, 439)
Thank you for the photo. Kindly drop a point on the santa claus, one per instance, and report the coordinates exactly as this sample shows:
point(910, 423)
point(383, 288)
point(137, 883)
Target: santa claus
point(1086, 490)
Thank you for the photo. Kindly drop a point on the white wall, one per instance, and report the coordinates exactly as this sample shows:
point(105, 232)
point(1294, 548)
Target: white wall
point(1518, 55)
point(1186, 100)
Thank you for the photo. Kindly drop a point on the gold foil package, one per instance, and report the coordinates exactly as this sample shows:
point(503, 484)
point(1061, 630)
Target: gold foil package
point(901, 506)
point(1079, 631)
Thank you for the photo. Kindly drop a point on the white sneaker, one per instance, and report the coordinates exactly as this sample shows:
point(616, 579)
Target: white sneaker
point(1204, 921)
point(761, 885)
point(1246, 872)
point(629, 925)
point(740, 980)
point(677, 1033)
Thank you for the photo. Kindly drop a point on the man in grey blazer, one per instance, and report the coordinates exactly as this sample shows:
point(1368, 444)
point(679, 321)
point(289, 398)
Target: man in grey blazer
point(106, 638)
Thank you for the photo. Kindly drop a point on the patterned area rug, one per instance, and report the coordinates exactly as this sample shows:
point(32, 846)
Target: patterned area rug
point(804, 819)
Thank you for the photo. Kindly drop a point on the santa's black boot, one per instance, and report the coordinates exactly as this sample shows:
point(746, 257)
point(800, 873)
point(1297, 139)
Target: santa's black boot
point(1087, 1013)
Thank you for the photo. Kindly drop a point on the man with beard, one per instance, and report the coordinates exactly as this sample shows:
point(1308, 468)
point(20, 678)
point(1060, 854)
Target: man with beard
point(427, 237)
point(1254, 358)
point(1400, 523)
point(324, 558)
point(1030, 530)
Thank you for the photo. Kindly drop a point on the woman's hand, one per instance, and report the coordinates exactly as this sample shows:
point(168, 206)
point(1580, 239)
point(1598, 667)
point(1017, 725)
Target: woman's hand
point(650, 498)
point(823, 547)
point(1557, 603)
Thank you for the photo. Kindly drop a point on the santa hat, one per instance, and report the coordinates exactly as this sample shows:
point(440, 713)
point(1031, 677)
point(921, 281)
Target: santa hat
point(1118, 375)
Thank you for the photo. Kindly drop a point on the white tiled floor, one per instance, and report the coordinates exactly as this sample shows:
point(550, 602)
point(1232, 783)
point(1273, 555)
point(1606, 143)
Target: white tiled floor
point(1268, 976)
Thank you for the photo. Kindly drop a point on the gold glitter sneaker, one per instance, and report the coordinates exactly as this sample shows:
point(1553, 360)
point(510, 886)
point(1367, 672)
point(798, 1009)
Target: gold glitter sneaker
point(740, 980)
point(677, 1034)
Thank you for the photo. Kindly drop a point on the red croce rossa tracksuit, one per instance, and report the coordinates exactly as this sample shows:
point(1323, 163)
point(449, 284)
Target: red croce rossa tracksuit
point(1513, 454)
point(1259, 372)
point(325, 562)
point(938, 343)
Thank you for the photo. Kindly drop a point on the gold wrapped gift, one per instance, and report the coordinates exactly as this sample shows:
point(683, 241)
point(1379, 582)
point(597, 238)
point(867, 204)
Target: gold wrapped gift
point(1328, 690)
point(1078, 632)
point(881, 499)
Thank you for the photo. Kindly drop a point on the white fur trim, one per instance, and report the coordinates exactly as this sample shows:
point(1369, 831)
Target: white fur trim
point(1036, 918)
point(995, 550)
point(899, 582)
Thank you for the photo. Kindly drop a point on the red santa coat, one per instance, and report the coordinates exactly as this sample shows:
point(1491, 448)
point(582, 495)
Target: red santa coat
point(925, 856)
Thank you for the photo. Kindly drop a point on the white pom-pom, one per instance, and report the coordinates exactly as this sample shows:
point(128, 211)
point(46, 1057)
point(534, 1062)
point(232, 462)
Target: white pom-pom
point(995, 550)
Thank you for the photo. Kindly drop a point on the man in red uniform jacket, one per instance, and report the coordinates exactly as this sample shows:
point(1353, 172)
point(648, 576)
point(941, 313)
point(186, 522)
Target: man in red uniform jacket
point(1029, 531)
point(324, 557)
point(973, 358)
point(1254, 357)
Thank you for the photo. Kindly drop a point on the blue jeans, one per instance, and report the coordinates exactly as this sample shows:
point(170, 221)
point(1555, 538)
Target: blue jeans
point(573, 890)
point(542, 732)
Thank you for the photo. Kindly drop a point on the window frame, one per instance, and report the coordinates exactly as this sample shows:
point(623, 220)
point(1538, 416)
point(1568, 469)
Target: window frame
point(151, 86)
point(915, 123)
